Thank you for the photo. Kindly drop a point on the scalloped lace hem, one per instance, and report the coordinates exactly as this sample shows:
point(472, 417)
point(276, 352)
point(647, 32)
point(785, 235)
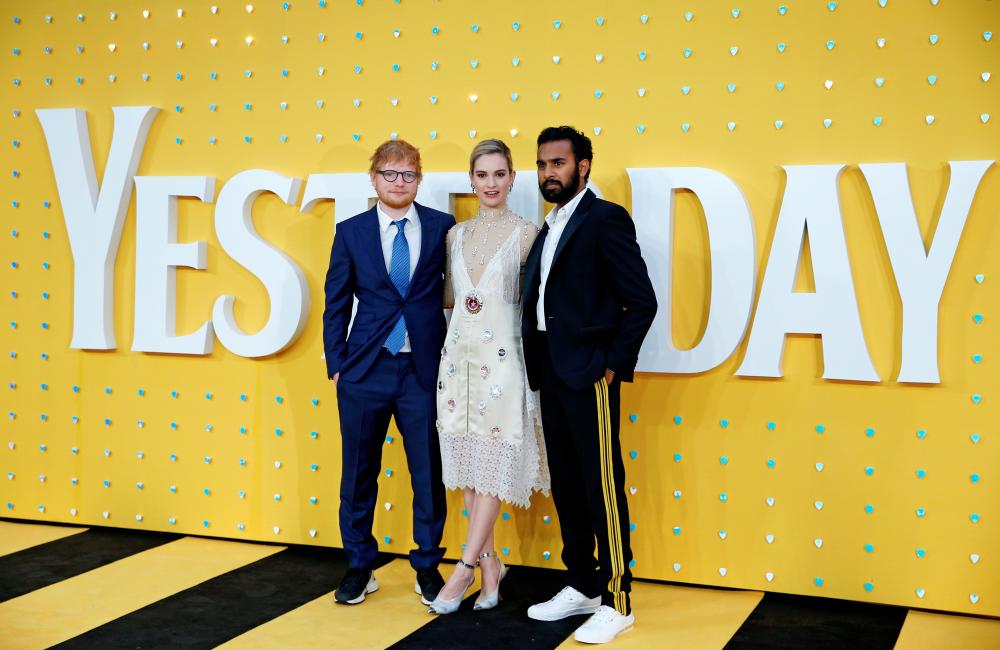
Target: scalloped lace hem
point(526, 503)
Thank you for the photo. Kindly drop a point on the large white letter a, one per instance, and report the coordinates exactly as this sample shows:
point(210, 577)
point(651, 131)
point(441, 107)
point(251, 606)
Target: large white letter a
point(810, 201)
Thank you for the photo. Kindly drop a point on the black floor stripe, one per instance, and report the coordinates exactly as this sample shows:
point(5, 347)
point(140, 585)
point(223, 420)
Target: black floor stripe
point(506, 626)
point(786, 621)
point(51, 562)
point(224, 607)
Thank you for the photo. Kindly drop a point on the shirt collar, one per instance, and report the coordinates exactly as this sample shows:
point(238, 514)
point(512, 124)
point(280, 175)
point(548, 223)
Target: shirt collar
point(385, 221)
point(564, 213)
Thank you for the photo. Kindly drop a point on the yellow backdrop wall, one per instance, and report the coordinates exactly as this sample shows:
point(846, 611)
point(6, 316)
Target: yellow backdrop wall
point(737, 482)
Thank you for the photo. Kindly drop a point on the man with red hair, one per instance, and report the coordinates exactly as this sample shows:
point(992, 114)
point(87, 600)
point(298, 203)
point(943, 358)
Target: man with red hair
point(391, 259)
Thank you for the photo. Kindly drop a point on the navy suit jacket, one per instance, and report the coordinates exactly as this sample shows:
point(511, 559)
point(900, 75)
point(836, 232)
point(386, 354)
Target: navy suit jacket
point(599, 302)
point(357, 269)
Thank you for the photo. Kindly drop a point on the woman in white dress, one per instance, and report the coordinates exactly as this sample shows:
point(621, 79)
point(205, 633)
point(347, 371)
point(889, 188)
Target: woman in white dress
point(488, 420)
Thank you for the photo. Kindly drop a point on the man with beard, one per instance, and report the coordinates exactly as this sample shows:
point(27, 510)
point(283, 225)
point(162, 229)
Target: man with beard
point(391, 258)
point(588, 303)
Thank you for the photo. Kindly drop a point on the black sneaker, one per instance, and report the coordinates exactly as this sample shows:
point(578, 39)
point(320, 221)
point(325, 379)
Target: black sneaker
point(429, 583)
point(357, 583)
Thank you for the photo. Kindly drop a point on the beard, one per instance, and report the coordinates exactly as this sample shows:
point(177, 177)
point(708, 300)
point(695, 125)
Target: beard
point(395, 201)
point(560, 193)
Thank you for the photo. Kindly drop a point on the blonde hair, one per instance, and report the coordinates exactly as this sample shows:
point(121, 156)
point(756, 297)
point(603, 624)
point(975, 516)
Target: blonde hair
point(487, 147)
point(395, 150)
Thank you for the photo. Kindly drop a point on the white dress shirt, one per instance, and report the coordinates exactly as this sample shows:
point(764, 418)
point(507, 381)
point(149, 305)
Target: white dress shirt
point(387, 232)
point(557, 220)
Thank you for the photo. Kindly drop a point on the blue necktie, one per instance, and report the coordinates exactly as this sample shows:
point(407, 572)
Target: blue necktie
point(399, 273)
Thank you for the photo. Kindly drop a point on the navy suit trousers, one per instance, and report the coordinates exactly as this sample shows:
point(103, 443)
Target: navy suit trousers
point(389, 390)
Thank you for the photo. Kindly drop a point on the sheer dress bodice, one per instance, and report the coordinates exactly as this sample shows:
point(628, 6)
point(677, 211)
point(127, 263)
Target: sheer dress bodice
point(488, 419)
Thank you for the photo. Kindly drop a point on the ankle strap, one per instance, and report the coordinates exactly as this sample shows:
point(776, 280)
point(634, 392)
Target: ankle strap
point(467, 565)
point(483, 556)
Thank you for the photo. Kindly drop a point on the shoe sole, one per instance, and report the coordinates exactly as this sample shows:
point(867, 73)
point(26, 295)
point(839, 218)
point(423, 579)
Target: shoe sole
point(370, 588)
point(423, 599)
point(574, 612)
point(620, 632)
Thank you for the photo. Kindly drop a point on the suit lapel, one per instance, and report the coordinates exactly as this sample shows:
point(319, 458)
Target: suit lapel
point(575, 220)
point(533, 263)
point(373, 245)
point(428, 229)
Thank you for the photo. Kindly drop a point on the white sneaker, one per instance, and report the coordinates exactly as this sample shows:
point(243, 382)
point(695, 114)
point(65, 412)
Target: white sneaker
point(568, 602)
point(603, 626)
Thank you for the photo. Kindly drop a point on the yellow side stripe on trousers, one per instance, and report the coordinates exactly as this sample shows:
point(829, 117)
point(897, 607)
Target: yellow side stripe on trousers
point(610, 502)
point(614, 538)
point(616, 549)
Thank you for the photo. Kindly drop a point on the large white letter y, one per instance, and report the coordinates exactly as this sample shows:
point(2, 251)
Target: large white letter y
point(94, 216)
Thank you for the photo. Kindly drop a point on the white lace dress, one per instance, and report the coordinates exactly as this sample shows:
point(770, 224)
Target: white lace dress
point(488, 419)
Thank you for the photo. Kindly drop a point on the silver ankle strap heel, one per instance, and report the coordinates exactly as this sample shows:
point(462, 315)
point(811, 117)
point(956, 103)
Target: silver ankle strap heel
point(489, 601)
point(442, 606)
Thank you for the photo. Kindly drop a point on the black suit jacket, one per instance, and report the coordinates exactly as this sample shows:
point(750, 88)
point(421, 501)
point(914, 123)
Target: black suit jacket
point(599, 302)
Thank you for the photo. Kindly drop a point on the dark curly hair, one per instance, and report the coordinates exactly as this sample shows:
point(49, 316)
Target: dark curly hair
point(582, 148)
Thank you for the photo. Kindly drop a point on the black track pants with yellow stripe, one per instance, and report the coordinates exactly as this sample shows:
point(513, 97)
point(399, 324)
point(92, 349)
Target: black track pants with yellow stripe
point(588, 486)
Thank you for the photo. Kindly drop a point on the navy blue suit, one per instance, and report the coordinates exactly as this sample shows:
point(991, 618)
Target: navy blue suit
point(375, 385)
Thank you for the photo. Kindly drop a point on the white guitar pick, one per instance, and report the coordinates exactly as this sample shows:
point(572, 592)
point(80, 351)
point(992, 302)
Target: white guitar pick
point(974, 558)
point(818, 542)
point(769, 576)
point(723, 571)
point(769, 538)
point(677, 567)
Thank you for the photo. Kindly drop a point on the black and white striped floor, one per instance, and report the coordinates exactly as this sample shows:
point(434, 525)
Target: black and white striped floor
point(103, 588)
